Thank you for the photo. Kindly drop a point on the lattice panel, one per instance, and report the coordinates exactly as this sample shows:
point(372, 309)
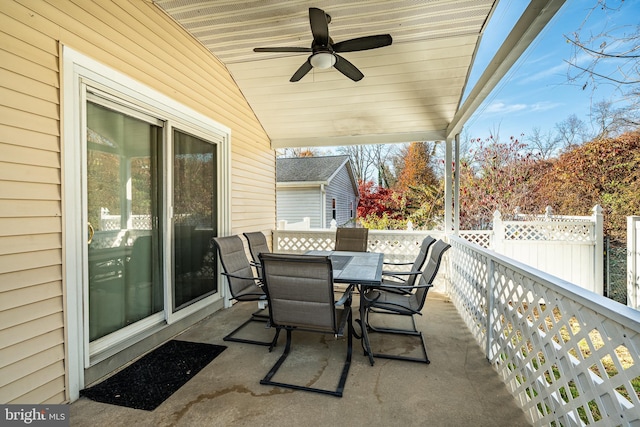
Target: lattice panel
point(468, 291)
point(479, 237)
point(568, 356)
point(296, 241)
point(400, 246)
point(549, 231)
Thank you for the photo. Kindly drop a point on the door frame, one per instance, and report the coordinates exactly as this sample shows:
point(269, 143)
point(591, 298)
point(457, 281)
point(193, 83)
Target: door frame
point(79, 70)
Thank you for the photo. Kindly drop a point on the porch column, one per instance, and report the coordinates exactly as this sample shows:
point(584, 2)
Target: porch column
point(456, 186)
point(448, 205)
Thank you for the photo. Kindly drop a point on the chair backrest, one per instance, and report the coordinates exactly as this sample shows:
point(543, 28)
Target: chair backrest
point(300, 291)
point(430, 271)
point(351, 239)
point(418, 263)
point(234, 262)
point(257, 244)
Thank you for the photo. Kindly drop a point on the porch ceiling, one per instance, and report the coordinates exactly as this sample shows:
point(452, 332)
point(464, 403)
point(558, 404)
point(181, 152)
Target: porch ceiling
point(411, 91)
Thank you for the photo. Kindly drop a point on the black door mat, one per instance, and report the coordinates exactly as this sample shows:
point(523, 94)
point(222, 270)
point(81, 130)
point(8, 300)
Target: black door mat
point(152, 379)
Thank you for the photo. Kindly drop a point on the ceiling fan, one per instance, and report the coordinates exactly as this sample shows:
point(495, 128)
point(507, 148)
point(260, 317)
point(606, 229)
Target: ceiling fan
point(324, 53)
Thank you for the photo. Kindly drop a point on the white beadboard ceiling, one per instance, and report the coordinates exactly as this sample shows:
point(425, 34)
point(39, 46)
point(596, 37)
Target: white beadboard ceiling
point(411, 91)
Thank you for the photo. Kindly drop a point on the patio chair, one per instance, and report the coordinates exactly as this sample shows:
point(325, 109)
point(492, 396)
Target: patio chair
point(406, 279)
point(257, 245)
point(243, 284)
point(351, 239)
point(301, 297)
point(383, 301)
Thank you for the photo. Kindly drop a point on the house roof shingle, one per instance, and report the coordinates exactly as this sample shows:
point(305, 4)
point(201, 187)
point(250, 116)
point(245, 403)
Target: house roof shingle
point(308, 169)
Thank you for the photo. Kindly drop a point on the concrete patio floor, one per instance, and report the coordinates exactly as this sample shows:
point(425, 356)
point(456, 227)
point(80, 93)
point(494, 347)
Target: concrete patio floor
point(458, 388)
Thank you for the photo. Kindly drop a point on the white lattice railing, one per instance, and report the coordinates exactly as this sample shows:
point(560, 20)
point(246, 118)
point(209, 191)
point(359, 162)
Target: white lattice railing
point(479, 237)
point(568, 356)
point(397, 246)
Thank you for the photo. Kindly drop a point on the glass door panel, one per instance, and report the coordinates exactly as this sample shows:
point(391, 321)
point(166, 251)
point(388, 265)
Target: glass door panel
point(123, 158)
point(194, 219)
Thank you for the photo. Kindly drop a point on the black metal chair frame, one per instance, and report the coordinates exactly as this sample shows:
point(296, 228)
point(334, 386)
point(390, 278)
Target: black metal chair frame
point(257, 316)
point(346, 322)
point(397, 303)
point(407, 279)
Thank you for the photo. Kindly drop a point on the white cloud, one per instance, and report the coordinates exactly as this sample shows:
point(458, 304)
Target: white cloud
point(544, 106)
point(502, 108)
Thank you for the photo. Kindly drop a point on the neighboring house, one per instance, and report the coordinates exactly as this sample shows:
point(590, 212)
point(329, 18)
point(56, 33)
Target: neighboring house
point(321, 188)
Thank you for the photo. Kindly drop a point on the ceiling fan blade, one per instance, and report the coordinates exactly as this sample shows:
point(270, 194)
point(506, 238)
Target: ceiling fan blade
point(302, 71)
point(319, 26)
point(282, 49)
point(363, 43)
point(348, 69)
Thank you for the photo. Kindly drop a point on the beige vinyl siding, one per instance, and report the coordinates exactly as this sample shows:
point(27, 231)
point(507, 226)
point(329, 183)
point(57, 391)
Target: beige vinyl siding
point(137, 39)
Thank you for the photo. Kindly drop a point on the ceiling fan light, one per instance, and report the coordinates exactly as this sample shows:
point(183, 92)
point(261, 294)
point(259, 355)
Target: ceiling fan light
point(323, 60)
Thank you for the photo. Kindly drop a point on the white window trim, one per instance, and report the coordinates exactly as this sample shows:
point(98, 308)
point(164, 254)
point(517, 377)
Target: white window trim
point(77, 67)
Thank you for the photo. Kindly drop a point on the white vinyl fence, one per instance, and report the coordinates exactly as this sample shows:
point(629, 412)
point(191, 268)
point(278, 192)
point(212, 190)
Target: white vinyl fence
point(569, 247)
point(397, 245)
point(633, 261)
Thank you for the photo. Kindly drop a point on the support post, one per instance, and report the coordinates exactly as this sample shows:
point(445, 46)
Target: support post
point(456, 186)
point(598, 264)
point(497, 238)
point(633, 260)
point(490, 308)
point(448, 203)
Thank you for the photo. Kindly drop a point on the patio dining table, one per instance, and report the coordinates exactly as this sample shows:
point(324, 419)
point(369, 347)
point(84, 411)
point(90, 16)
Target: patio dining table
point(361, 269)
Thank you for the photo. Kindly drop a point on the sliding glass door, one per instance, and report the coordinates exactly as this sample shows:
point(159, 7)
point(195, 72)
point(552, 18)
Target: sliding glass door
point(194, 219)
point(123, 193)
point(151, 211)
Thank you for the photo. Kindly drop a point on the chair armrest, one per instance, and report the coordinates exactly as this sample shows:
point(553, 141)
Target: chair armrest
point(346, 317)
point(397, 275)
point(255, 279)
point(392, 287)
point(397, 263)
point(346, 296)
point(401, 273)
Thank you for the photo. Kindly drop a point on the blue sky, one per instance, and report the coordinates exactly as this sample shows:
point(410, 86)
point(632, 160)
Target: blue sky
point(536, 92)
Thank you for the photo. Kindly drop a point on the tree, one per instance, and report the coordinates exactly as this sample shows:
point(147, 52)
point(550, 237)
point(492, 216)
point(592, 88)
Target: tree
point(499, 176)
point(299, 152)
point(542, 143)
point(370, 161)
point(611, 121)
point(571, 131)
point(379, 207)
point(604, 172)
point(612, 53)
point(416, 166)
point(360, 160)
point(608, 56)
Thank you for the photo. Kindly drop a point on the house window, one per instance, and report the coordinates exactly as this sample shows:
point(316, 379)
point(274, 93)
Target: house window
point(351, 209)
point(333, 208)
